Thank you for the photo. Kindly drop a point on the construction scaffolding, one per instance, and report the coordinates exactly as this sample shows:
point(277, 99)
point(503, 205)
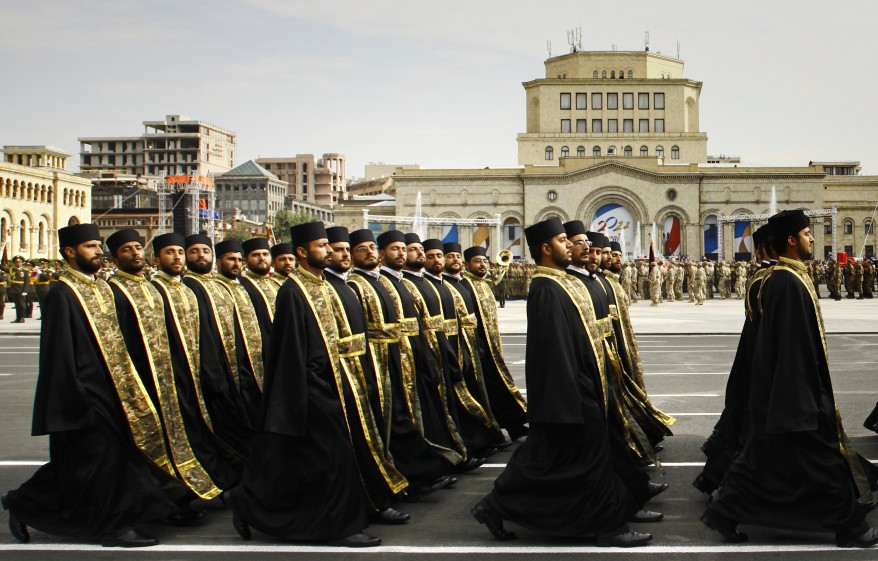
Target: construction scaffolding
point(723, 219)
point(198, 197)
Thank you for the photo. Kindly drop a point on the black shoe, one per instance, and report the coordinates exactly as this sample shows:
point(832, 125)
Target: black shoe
point(128, 537)
point(702, 484)
point(414, 493)
point(656, 489)
point(241, 525)
point(658, 448)
point(389, 516)
point(186, 518)
point(643, 516)
point(451, 482)
point(493, 522)
point(724, 526)
point(866, 539)
point(18, 321)
point(628, 538)
point(356, 540)
point(518, 432)
point(17, 528)
point(469, 465)
point(499, 446)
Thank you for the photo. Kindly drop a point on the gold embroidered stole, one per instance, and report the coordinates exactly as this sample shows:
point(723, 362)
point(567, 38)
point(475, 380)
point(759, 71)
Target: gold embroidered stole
point(487, 312)
point(432, 324)
point(861, 480)
point(267, 289)
point(351, 347)
point(251, 335)
point(408, 327)
point(223, 309)
point(183, 306)
point(98, 306)
point(278, 279)
point(148, 308)
point(379, 336)
point(759, 276)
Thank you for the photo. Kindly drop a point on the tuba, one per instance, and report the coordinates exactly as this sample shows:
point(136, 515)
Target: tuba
point(504, 259)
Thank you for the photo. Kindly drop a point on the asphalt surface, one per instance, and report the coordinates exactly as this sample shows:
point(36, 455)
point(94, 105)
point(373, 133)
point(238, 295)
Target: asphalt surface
point(686, 377)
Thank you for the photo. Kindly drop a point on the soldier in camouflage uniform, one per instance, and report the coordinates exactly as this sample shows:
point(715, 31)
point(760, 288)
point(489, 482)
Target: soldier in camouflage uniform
point(858, 279)
point(669, 282)
point(848, 275)
point(698, 282)
point(724, 274)
point(709, 278)
point(868, 278)
point(837, 280)
point(740, 280)
point(643, 280)
point(4, 279)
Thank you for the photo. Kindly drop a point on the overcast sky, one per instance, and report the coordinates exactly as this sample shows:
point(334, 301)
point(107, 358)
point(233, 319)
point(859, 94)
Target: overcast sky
point(433, 83)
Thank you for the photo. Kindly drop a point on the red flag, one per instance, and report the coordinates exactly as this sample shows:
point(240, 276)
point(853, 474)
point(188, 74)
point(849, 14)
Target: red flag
point(651, 252)
point(5, 260)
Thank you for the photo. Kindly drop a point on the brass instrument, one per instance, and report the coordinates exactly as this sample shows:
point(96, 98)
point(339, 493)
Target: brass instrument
point(504, 259)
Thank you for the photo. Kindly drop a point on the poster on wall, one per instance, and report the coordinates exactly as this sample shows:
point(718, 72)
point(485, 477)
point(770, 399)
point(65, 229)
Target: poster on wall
point(710, 237)
point(743, 238)
point(512, 239)
point(449, 234)
point(672, 236)
point(615, 221)
point(482, 236)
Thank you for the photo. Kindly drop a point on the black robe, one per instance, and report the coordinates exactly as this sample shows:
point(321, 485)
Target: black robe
point(625, 460)
point(561, 480)
point(412, 455)
point(301, 480)
point(225, 406)
point(505, 407)
point(730, 432)
point(96, 481)
point(791, 472)
point(377, 489)
point(260, 306)
point(477, 436)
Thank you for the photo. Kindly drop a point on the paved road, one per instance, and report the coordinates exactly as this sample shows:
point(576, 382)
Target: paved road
point(685, 376)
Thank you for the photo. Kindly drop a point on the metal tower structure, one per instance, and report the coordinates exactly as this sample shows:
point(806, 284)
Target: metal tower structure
point(196, 193)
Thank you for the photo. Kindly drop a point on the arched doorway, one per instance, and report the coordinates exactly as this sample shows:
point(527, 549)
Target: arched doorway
point(512, 237)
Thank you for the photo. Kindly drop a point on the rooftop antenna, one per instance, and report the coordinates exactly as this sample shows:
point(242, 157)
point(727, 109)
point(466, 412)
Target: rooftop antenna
point(646, 42)
point(574, 39)
point(549, 47)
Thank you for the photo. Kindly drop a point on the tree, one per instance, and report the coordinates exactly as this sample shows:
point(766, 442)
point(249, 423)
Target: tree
point(240, 231)
point(284, 220)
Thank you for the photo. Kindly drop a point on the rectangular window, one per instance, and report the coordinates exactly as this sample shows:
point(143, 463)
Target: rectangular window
point(628, 125)
point(580, 125)
point(827, 227)
point(565, 101)
point(827, 251)
point(596, 125)
point(658, 101)
point(627, 101)
point(565, 125)
point(849, 249)
point(643, 101)
point(612, 101)
point(644, 125)
point(597, 101)
point(612, 125)
point(580, 100)
point(659, 125)
point(870, 250)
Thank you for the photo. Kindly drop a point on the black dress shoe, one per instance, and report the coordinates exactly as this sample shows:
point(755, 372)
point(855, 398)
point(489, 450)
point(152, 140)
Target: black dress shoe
point(241, 525)
point(414, 493)
point(502, 445)
point(866, 539)
point(451, 482)
point(644, 516)
point(487, 516)
point(18, 321)
point(17, 528)
point(356, 540)
point(658, 448)
point(389, 516)
point(628, 538)
point(469, 465)
point(726, 527)
point(656, 489)
point(128, 537)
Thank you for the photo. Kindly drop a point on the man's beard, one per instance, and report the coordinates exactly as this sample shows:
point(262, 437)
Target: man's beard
point(417, 264)
point(316, 262)
point(89, 266)
point(367, 265)
point(560, 258)
point(133, 269)
point(201, 269)
point(172, 270)
point(260, 268)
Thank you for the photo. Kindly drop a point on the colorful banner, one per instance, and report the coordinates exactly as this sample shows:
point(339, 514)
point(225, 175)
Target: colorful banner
point(482, 236)
point(612, 220)
point(512, 239)
point(450, 234)
point(710, 236)
point(672, 236)
point(743, 238)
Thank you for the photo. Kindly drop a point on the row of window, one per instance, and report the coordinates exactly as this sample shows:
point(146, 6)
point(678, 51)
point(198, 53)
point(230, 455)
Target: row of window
point(848, 227)
point(612, 74)
point(611, 151)
point(612, 99)
point(597, 125)
point(39, 193)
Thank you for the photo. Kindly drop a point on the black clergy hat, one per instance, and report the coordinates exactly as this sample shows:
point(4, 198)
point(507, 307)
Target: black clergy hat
point(163, 241)
point(412, 238)
point(574, 228)
point(432, 244)
point(760, 236)
point(360, 236)
point(605, 241)
point(541, 232)
point(338, 234)
point(120, 238)
point(594, 239)
point(309, 231)
point(788, 223)
point(474, 251)
point(616, 246)
point(72, 236)
point(198, 239)
point(451, 247)
point(227, 246)
point(390, 237)
point(281, 249)
point(254, 244)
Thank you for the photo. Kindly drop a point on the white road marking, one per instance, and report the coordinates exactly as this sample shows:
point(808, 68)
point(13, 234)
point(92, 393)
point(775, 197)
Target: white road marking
point(686, 373)
point(684, 395)
point(694, 414)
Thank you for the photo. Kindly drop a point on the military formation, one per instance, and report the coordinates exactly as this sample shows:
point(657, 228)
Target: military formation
point(314, 387)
